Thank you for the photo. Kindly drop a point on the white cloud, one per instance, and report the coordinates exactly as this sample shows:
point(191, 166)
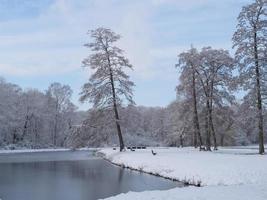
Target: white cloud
point(56, 36)
point(182, 3)
point(54, 39)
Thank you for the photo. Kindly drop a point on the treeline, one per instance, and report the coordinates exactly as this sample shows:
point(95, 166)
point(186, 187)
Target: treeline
point(35, 119)
point(169, 126)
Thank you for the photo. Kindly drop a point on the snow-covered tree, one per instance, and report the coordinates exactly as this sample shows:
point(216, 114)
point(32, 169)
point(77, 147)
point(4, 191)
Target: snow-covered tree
point(9, 117)
point(215, 75)
point(61, 108)
point(109, 84)
point(250, 41)
point(179, 124)
point(188, 63)
point(28, 116)
point(33, 114)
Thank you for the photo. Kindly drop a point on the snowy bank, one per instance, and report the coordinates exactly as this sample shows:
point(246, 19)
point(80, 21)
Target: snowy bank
point(32, 150)
point(3, 151)
point(227, 174)
point(209, 168)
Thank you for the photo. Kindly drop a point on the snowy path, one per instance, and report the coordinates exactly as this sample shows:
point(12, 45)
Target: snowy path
point(227, 174)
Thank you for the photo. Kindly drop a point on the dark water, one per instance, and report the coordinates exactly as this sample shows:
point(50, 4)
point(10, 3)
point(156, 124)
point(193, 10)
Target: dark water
point(69, 176)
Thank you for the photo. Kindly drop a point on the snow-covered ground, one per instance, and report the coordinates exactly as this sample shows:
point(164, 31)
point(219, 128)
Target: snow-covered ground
point(230, 173)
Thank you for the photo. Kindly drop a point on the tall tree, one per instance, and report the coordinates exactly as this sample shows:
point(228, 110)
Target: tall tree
point(215, 75)
point(188, 62)
point(109, 84)
point(250, 40)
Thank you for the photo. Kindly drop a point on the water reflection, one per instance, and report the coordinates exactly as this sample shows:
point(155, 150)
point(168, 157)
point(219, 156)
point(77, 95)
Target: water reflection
point(82, 179)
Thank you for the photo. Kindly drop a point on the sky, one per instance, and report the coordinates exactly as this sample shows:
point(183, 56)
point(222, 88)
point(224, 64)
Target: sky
point(41, 41)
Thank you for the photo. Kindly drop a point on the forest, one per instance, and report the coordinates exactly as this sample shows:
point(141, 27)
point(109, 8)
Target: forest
point(221, 98)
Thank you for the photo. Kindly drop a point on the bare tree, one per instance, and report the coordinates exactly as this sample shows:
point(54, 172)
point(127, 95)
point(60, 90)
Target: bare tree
point(188, 62)
point(28, 117)
point(250, 40)
point(59, 100)
point(109, 84)
point(215, 74)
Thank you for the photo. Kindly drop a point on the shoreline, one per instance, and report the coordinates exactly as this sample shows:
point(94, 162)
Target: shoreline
point(184, 182)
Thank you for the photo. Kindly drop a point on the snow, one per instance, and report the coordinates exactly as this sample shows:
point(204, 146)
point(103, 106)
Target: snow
point(31, 150)
point(221, 168)
point(230, 173)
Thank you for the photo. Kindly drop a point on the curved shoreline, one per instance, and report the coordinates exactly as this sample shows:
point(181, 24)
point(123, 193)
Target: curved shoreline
point(184, 182)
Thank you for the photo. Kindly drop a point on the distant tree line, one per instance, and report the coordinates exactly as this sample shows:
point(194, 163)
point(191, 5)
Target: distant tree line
point(33, 119)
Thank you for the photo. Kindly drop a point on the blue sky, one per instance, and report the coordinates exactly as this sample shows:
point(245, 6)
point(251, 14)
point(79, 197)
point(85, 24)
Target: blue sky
point(41, 41)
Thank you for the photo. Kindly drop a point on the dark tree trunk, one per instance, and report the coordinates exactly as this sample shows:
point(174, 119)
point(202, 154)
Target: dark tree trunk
point(15, 137)
point(212, 130)
point(117, 119)
point(181, 141)
point(196, 120)
point(211, 126)
point(222, 140)
point(207, 127)
point(115, 107)
point(211, 116)
point(25, 127)
point(36, 135)
point(55, 135)
point(259, 98)
point(55, 131)
point(195, 139)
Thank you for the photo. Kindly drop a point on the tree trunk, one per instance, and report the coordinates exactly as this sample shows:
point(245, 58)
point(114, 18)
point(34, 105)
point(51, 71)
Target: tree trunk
point(222, 140)
point(212, 129)
point(55, 131)
point(196, 120)
point(36, 136)
point(259, 98)
point(181, 141)
point(56, 123)
point(115, 108)
point(117, 119)
point(211, 117)
point(211, 125)
point(25, 127)
point(207, 127)
point(195, 139)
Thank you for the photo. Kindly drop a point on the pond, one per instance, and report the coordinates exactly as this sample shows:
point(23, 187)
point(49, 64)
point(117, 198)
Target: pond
point(69, 175)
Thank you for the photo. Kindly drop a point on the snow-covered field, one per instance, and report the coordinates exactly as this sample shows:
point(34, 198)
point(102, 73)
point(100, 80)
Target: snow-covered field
point(230, 173)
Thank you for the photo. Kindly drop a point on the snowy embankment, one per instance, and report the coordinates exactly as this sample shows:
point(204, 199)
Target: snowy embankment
point(4, 151)
point(227, 174)
point(31, 150)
